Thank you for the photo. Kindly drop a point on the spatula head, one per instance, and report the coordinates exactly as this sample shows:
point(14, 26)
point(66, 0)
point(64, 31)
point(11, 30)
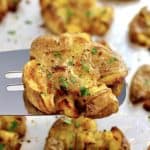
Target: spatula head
point(11, 102)
point(11, 90)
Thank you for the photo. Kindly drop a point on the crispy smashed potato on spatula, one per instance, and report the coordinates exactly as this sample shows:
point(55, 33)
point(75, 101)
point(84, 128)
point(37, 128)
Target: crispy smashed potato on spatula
point(76, 16)
point(12, 130)
point(6, 6)
point(82, 134)
point(116, 88)
point(140, 87)
point(139, 28)
point(72, 75)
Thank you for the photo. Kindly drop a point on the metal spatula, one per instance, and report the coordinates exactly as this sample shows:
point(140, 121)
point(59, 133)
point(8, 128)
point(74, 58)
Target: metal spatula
point(11, 89)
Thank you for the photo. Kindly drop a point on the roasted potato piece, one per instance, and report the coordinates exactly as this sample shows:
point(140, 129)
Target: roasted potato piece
point(3, 8)
point(140, 87)
point(76, 16)
point(12, 130)
point(71, 74)
point(148, 147)
point(13, 4)
point(7, 5)
point(118, 86)
point(120, 0)
point(146, 105)
point(82, 134)
point(139, 28)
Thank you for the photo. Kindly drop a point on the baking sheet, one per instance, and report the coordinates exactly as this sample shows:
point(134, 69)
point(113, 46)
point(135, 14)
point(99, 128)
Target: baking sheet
point(133, 120)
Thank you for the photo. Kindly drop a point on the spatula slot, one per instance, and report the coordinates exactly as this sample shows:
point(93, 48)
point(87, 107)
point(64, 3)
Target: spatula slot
point(13, 74)
point(15, 88)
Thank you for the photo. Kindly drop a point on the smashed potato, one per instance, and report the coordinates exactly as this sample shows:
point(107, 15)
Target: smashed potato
point(82, 134)
point(140, 86)
point(71, 75)
point(139, 29)
point(7, 5)
point(12, 130)
point(76, 16)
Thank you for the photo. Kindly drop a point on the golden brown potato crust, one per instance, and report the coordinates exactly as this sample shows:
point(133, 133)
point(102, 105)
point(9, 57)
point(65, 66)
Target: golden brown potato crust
point(82, 134)
point(71, 75)
point(76, 16)
point(12, 130)
point(120, 0)
point(139, 29)
point(7, 5)
point(140, 86)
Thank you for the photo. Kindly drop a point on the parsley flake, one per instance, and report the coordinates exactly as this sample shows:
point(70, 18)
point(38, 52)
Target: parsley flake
point(88, 13)
point(112, 60)
point(28, 22)
point(13, 126)
point(94, 51)
point(49, 75)
point(70, 63)
point(84, 91)
point(103, 11)
point(67, 121)
point(77, 124)
point(147, 82)
point(2, 146)
point(63, 82)
point(69, 13)
point(11, 32)
point(85, 67)
point(15, 2)
point(73, 79)
point(57, 54)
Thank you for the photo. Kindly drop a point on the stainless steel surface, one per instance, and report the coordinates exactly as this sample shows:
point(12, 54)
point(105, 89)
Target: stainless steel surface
point(11, 99)
point(11, 102)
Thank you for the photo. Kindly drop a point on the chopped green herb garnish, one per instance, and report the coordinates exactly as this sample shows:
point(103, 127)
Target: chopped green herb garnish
point(94, 51)
point(80, 75)
point(57, 54)
point(69, 13)
point(15, 1)
point(28, 22)
point(73, 79)
point(67, 121)
point(12, 32)
point(13, 126)
point(88, 13)
point(112, 60)
point(147, 82)
point(85, 67)
point(103, 11)
point(2, 146)
point(84, 91)
point(41, 68)
point(70, 62)
point(77, 124)
point(49, 75)
point(63, 82)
